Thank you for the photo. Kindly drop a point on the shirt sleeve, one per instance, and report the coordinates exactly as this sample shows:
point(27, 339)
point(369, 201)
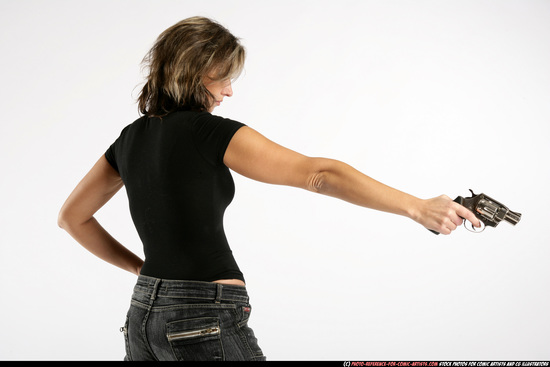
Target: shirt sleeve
point(212, 135)
point(111, 153)
point(110, 156)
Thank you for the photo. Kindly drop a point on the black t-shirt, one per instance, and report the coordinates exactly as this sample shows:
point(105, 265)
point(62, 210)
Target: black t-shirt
point(178, 189)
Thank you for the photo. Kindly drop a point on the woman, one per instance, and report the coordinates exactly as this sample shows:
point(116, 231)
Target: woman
point(190, 300)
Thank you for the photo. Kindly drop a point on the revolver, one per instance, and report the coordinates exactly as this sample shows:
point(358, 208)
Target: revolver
point(489, 211)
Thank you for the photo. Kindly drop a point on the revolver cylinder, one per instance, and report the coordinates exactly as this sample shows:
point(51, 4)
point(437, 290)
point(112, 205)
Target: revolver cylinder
point(494, 212)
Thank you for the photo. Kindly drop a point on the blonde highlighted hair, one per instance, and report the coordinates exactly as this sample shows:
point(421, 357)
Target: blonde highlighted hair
point(182, 56)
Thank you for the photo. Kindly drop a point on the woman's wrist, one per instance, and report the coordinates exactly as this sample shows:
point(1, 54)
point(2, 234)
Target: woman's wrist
point(414, 209)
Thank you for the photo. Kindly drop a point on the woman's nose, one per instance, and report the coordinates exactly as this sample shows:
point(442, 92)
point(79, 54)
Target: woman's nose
point(227, 90)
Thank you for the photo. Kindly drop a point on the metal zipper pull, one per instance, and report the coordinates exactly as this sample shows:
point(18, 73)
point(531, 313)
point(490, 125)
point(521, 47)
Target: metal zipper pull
point(194, 333)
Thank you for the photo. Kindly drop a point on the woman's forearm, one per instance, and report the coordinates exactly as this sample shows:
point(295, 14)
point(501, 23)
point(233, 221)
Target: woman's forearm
point(92, 236)
point(340, 180)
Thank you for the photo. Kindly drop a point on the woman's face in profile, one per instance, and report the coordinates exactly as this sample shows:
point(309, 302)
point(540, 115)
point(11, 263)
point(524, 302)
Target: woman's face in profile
point(219, 89)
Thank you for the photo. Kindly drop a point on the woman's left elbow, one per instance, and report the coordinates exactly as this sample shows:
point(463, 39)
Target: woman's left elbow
point(62, 219)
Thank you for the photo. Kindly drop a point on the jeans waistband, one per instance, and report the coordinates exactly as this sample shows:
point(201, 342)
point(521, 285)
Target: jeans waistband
point(156, 287)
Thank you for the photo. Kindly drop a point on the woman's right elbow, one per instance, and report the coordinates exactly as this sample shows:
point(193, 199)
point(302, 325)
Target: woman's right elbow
point(324, 172)
point(316, 181)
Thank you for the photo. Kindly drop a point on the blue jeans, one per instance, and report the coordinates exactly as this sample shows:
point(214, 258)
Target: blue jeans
point(189, 320)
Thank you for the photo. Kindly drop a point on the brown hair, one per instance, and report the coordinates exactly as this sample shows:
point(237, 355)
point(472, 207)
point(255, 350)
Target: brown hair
point(179, 60)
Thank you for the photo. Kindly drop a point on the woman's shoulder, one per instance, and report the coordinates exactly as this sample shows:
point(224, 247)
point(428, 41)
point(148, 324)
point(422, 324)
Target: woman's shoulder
point(186, 119)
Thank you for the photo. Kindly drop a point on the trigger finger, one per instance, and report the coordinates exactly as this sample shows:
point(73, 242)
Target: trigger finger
point(468, 215)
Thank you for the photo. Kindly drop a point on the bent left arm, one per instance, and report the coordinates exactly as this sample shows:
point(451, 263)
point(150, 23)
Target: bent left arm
point(76, 216)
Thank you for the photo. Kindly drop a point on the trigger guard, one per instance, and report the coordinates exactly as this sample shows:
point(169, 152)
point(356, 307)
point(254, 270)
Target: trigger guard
point(470, 227)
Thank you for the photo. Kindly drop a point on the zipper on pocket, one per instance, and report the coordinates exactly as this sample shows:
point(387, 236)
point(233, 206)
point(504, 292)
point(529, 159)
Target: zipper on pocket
point(194, 333)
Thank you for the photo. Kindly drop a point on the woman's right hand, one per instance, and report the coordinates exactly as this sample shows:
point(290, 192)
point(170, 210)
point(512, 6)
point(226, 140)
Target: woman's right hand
point(443, 215)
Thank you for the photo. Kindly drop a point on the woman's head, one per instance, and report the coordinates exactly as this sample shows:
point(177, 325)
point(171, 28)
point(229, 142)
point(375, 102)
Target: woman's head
point(187, 55)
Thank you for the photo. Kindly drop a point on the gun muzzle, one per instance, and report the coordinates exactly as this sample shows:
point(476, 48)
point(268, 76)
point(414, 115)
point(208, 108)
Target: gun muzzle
point(512, 217)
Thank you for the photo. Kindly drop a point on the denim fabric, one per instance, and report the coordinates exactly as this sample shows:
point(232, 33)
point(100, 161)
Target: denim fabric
point(189, 320)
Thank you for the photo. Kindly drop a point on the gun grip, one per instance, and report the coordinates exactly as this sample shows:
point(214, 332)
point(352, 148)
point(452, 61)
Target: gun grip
point(459, 200)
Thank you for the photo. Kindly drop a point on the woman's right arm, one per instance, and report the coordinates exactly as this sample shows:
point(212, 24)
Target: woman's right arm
point(251, 154)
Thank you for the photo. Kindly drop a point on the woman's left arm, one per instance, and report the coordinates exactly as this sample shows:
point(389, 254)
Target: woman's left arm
point(77, 216)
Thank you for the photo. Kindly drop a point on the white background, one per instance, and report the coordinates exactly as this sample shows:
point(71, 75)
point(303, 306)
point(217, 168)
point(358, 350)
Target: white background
point(429, 97)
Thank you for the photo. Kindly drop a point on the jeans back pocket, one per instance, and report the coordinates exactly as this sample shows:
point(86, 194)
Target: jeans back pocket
point(196, 339)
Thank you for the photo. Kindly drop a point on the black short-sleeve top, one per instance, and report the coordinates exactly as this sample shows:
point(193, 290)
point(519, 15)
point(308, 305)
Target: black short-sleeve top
point(178, 189)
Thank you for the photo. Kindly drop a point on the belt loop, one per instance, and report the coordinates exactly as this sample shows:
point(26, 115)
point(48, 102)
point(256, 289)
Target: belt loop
point(155, 290)
point(218, 292)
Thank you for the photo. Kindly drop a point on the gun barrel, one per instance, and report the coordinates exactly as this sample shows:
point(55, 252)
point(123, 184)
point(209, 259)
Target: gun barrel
point(512, 217)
